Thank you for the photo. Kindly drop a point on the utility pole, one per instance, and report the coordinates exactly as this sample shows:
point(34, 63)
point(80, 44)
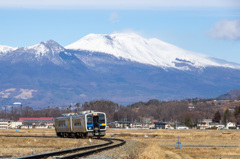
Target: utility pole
point(21, 110)
point(5, 111)
point(12, 112)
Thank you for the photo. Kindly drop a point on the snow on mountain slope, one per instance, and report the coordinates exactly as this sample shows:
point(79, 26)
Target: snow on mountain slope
point(152, 51)
point(49, 49)
point(45, 48)
point(4, 49)
point(42, 52)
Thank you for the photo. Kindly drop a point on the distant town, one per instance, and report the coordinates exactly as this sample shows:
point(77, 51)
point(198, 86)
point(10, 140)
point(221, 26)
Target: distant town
point(185, 114)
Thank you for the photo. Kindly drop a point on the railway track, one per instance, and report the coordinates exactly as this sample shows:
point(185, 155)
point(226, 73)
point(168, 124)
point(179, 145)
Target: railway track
point(29, 136)
point(81, 151)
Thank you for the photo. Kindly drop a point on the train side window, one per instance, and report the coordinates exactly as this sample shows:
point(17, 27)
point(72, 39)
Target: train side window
point(77, 122)
point(101, 118)
point(61, 123)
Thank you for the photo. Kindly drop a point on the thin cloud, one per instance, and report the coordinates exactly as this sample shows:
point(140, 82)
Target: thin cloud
point(114, 17)
point(226, 29)
point(116, 4)
point(129, 31)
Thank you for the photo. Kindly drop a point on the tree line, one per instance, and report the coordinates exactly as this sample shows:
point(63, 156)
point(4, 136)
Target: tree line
point(175, 110)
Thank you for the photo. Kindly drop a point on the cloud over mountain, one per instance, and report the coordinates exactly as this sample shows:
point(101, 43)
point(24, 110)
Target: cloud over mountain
point(226, 29)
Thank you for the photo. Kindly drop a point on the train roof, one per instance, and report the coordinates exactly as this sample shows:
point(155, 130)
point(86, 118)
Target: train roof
point(82, 113)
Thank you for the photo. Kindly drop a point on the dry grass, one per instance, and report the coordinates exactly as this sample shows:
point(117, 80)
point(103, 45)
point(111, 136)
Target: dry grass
point(159, 143)
point(162, 143)
point(26, 132)
point(22, 146)
point(152, 150)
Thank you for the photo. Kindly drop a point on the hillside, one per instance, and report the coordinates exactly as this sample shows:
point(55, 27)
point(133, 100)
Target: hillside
point(233, 94)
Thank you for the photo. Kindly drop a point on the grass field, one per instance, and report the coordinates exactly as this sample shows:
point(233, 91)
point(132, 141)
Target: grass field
point(157, 143)
point(22, 146)
point(195, 143)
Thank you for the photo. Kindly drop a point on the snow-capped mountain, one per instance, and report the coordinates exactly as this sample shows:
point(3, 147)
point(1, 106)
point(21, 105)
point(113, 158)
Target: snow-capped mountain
point(4, 49)
point(147, 51)
point(45, 48)
point(124, 68)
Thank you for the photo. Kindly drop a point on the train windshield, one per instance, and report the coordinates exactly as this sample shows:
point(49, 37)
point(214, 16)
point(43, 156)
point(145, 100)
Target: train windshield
point(89, 119)
point(101, 118)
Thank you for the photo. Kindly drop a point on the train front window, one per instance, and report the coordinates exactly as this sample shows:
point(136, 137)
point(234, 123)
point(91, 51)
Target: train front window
point(89, 119)
point(101, 118)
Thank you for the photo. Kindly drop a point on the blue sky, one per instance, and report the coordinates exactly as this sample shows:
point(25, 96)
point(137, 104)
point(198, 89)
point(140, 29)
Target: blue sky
point(210, 27)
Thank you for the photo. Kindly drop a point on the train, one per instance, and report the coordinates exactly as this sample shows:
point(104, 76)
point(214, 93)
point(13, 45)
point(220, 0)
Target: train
point(81, 125)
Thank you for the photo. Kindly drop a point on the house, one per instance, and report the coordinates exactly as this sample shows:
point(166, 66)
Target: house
point(16, 124)
point(159, 125)
point(27, 126)
point(119, 124)
point(137, 125)
point(219, 102)
point(33, 122)
point(41, 126)
point(123, 124)
point(151, 126)
point(213, 125)
point(9, 124)
point(5, 124)
point(204, 123)
point(169, 125)
point(231, 125)
point(191, 106)
point(36, 120)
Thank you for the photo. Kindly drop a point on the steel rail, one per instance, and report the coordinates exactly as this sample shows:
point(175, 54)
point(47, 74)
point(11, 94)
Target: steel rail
point(57, 153)
point(29, 136)
point(76, 155)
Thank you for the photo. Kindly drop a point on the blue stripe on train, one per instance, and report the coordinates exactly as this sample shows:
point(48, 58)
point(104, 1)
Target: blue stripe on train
point(88, 125)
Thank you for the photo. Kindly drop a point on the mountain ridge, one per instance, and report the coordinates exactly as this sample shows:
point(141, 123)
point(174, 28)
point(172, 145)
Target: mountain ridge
point(49, 74)
point(4, 49)
point(233, 94)
point(147, 51)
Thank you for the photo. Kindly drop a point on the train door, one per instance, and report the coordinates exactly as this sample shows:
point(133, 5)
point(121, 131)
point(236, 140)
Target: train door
point(95, 122)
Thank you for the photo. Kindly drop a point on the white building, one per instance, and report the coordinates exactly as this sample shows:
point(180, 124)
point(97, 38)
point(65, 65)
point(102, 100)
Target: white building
point(218, 126)
point(204, 123)
point(230, 125)
point(5, 123)
point(8, 124)
point(15, 124)
point(182, 127)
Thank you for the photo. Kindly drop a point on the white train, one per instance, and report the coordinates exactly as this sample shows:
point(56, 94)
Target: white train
point(84, 124)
